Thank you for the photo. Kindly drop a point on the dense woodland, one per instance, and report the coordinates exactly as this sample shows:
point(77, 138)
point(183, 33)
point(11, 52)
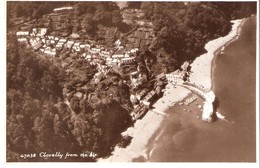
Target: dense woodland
point(38, 116)
point(183, 30)
point(38, 119)
point(91, 13)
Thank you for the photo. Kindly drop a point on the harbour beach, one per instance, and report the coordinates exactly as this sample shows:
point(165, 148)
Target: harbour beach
point(145, 128)
point(151, 126)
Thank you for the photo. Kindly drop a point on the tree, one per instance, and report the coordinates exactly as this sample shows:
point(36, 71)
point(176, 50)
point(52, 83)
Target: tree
point(132, 4)
point(74, 104)
point(89, 24)
point(116, 18)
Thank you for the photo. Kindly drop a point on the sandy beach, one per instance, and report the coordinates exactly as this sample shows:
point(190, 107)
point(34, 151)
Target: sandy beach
point(145, 128)
point(201, 66)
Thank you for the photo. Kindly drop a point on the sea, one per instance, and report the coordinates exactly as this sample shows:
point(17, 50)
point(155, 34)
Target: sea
point(184, 137)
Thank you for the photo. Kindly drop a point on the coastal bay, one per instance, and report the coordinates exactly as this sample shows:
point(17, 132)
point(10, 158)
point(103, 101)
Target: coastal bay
point(190, 140)
point(181, 135)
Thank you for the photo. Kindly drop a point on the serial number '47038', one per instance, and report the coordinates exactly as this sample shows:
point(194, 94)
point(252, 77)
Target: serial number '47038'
point(28, 155)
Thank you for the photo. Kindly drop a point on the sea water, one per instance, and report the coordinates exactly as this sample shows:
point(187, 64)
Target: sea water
point(188, 139)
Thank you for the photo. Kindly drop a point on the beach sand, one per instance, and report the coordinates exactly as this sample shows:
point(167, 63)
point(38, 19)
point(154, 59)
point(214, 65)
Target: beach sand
point(144, 129)
point(201, 66)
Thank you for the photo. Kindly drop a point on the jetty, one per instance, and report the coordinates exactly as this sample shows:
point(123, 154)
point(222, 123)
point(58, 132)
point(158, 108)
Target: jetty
point(207, 95)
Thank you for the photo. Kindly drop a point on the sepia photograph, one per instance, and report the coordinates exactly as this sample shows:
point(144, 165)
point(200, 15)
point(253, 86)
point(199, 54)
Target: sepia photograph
point(131, 81)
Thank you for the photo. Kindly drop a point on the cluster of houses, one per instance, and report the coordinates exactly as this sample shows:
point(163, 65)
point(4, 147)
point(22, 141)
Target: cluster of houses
point(39, 40)
point(144, 98)
point(176, 77)
point(137, 79)
point(111, 58)
point(52, 45)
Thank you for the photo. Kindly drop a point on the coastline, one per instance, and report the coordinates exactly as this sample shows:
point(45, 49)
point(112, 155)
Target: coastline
point(202, 66)
point(144, 129)
point(217, 51)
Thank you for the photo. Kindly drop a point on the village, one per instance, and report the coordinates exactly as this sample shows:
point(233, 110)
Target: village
point(144, 91)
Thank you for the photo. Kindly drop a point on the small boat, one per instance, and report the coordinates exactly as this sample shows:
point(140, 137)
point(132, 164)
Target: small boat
point(220, 116)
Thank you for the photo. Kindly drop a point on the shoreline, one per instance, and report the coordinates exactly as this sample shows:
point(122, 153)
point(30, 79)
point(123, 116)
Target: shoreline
point(144, 129)
point(213, 65)
point(202, 66)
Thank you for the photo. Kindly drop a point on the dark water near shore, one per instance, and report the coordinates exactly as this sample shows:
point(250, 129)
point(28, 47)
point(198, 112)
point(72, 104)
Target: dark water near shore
point(186, 138)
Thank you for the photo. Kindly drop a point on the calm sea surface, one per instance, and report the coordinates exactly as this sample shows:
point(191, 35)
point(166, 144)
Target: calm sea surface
point(185, 138)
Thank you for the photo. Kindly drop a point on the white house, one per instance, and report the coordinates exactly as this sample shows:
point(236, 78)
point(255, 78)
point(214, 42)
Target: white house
point(82, 46)
point(76, 44)
point(115, 61)
point(127, 54)
point(33, 33)
point(46, 51)
point(43, 40)
point(63, 9)
point(53, 53)
point(84, 55)
point(62, 40)
point(76, 47)
point(109, 61)
point(88, 56)
point(37, 47)
point(59, 45)
point(52, 41)
point(134, 50)
point(22, 33)
point(38, 39)
point(69, 44)
point(33, 42)
point(42, 32)
point(95, 50)
point(51, 37)
point(127, 60)
point(22, 40)
point(34, 30)
point(105, 54)
point(118, 42)
point(118, 56)
point(87, 45)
